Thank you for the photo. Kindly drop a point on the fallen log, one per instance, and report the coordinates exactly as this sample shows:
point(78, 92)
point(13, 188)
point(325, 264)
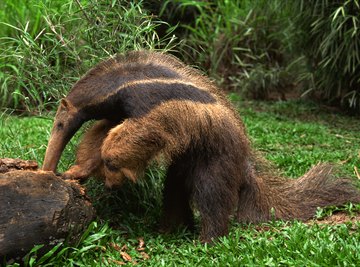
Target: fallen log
point(7, 165)
point(39, 207)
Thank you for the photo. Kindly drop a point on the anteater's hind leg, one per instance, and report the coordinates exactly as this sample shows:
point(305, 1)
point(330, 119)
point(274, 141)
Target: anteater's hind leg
point(249, 210)
point(215, 196)
point(88, 156)
point(176, 198)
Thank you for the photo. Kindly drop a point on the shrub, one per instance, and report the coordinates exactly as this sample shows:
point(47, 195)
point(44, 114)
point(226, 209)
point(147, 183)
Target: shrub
point(46, 45)
point(329, 37)
point(241, 43)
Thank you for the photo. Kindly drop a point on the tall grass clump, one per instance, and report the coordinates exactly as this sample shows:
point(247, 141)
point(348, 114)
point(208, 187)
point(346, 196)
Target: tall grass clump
point(329, 38)
point(240, 43)
point(46, 45)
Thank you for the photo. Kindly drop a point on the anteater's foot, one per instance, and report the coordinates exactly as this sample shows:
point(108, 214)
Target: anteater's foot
point(76, 172)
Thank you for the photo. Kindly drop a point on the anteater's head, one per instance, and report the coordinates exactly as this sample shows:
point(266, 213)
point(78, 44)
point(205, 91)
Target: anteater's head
point(67, 121)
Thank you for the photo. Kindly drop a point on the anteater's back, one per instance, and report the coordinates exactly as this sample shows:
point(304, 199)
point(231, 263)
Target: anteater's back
point(132, 84)
point(137, 67)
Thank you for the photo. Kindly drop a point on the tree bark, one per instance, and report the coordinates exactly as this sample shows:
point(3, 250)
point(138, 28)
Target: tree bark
point(39, 207)
point(7, 165)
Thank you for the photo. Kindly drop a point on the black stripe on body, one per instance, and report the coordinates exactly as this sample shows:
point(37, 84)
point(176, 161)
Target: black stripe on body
point(138, 98)
point(97, 85)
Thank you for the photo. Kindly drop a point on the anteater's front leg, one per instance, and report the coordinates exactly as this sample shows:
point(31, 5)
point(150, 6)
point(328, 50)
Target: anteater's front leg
point(88, 156)
point(128, 149)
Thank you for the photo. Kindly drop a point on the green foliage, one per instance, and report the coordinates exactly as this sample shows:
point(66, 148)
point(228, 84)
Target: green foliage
point(263, 49)
point(329, 37)
point(272, 244)
point(296, 136)
point(293, 135)
point(46, 45)
point(242, 44)
point(24, 137)
point(268, 48)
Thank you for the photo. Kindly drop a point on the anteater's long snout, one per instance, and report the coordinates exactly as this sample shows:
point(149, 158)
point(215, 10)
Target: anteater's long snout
point(56, 145)
point(67, 122)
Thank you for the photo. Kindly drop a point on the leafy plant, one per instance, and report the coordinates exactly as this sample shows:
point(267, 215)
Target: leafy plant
point(46, 48)
point(329, 37)
point(242, 44)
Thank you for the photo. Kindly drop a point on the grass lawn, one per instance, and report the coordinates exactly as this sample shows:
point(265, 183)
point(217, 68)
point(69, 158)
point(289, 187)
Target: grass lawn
point(292, 135)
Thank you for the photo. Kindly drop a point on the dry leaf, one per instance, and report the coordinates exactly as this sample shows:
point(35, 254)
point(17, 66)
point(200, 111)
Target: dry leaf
point(125, 256)
point(115, 246)
point(117, 262)
point(145, 255)
point(357, 172)
point(141, 244)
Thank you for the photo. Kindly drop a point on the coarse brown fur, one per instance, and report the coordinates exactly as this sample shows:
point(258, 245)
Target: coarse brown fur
point(150, 105)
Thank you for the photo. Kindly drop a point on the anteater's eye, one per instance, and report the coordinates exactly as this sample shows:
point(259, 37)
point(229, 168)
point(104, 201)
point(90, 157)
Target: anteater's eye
point(60, 126)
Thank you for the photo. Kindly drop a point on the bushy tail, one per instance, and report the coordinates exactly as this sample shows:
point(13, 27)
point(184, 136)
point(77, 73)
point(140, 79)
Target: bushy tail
point(273, 197)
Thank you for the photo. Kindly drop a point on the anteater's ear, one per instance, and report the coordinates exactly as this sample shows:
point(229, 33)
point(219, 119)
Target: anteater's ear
point(129, 174)
point(66, 105)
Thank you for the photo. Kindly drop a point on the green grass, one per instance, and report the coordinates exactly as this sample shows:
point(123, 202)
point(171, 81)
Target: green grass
point(46, 45)
point(328, 36)
point(292, 135)
point(242, 44)
point(296, 135)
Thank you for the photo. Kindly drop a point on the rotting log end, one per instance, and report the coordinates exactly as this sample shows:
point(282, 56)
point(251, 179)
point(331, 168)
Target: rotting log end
point(37, 207)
